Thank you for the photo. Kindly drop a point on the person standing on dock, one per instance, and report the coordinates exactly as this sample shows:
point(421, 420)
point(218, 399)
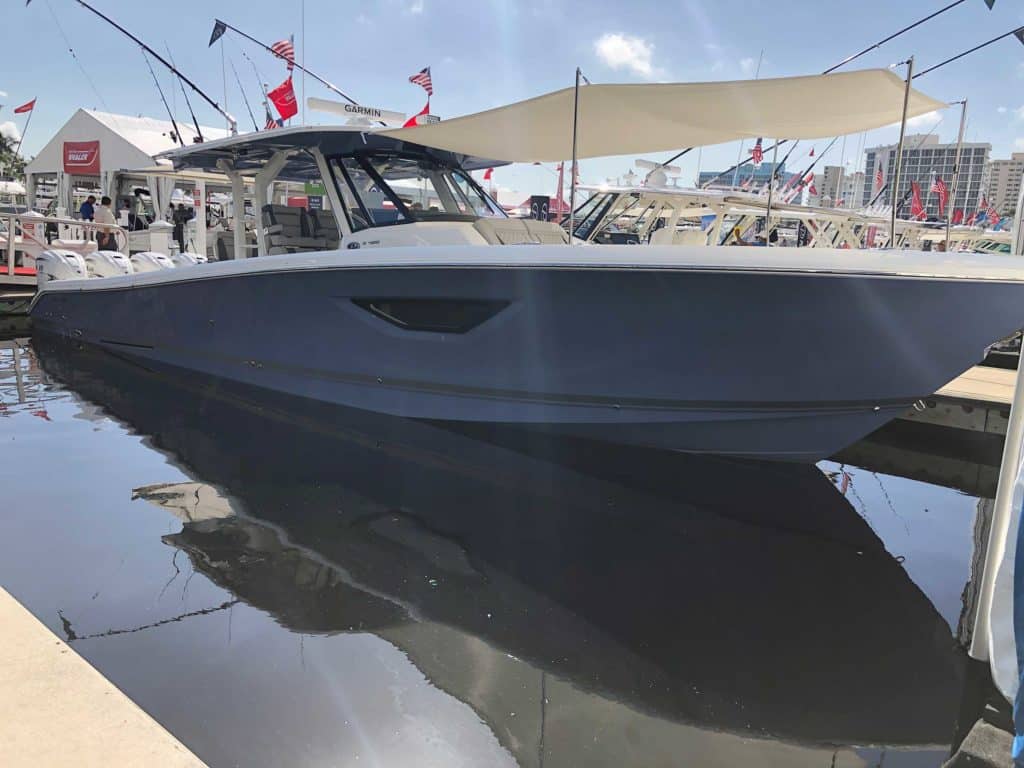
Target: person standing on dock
point(105, 238)
point(87, 210)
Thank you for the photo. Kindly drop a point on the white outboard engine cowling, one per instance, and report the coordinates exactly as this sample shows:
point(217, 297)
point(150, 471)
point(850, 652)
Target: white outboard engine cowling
point(151, 261)
point(59, 264)
point(107, 264)
point(188, 259)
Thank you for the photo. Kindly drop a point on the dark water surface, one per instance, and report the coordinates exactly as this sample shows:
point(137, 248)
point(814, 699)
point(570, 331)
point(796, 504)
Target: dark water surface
point(284, 584)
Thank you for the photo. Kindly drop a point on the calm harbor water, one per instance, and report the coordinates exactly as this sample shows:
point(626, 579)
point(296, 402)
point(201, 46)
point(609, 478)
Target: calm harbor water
point(284, 584)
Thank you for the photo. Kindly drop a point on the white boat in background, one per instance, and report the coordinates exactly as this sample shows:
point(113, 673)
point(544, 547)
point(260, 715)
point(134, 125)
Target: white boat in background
point(402, 304)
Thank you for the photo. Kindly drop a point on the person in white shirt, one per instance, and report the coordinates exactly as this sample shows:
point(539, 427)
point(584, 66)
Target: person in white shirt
point(106, 240)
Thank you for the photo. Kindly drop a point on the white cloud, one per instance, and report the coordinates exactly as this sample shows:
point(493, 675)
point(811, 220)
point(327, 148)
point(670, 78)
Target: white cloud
point(3, 94)
point(926, 120)
point(718, 66)
point(1018, 113)
point(1001, 110)
point(10, 131)
point(747, 66)
point(626, 52)
point(416, 6)
point(1018, 144)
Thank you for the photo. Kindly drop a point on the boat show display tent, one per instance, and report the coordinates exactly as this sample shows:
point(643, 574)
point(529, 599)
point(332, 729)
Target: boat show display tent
point(93, 148)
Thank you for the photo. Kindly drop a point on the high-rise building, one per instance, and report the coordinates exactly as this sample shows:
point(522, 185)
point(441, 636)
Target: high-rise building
point(851, 190)
point(1004, 183)
point(924, 158)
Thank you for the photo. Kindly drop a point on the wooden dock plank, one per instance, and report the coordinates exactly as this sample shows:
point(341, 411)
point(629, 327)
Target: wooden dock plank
point(982, 384)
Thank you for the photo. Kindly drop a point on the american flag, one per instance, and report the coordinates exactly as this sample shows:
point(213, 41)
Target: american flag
point(757, 153)
point(939, 188)
point(272, 122)
point(422, 79)
point(993, 216)
point(285, 49)
point(879, 177)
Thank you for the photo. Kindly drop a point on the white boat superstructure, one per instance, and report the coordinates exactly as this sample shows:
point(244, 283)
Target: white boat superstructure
point(682, 216)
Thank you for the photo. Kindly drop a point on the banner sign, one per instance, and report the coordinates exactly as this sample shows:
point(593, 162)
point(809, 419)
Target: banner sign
point(82, 157)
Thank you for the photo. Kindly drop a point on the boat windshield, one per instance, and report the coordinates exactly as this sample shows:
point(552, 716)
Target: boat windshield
point(383, 189)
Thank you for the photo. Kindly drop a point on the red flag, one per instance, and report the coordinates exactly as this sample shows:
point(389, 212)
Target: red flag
point(811, 152)
point(757, 153)
point(411, 122)
point(958, 216)
point(879, 178)
point(993, 216)
point(916, 208)
point(284, 99)
point(28, 107)
point(488, 173)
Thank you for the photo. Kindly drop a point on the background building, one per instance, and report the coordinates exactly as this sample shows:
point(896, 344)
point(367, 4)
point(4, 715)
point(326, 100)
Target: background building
point(924, 157)
point(851, 190)
point(833, 183)
point(1004, 183)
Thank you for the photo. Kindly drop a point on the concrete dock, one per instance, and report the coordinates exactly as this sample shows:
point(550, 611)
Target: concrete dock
point(57, 710)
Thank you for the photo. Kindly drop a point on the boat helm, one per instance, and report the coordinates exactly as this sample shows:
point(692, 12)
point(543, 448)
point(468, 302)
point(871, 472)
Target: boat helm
point(59, 265)
point(151, 261)
point(107, 264)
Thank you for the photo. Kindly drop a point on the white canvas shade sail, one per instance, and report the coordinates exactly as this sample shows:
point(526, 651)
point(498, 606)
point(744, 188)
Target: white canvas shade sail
point(655, 117)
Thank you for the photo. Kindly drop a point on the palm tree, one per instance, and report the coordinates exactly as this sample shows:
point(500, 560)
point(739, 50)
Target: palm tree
point(12, 166)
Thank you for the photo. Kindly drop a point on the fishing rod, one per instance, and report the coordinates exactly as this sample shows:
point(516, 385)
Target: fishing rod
point(231, 120)
point(170, 114)
point(219, 27)
point(188, 102)
point(1019, 32)
point(245, 98)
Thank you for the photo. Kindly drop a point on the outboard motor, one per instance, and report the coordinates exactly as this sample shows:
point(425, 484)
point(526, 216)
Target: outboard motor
point(188, 259)
point(107, 264)
point(60, 265)
point(151, 261)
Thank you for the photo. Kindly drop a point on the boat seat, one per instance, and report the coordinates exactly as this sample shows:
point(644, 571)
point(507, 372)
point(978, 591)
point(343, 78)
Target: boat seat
point(289, 228)
point(516, 231)
point(325, 225)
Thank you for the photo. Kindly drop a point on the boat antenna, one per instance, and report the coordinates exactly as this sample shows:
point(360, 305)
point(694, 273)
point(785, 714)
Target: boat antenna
point(231, 120)
point(170, 114)
point(188, 102)
point(245, 98)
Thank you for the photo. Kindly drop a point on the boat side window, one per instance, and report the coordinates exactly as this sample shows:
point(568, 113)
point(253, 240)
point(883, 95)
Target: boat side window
point(474, 197)
point(366, 204)
point(590, 213)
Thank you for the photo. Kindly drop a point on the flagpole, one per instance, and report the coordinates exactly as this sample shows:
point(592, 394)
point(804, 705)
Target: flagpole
point(25, 129)
point(951, 203)
point(572, 181)
point(897, 171)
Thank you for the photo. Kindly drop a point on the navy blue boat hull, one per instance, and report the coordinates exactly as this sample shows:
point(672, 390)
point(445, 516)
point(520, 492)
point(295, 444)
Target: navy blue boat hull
point(769, 364)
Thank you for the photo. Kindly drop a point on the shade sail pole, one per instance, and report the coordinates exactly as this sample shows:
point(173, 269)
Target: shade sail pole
point(572, 181)
point(771, 187)
point(951, 202)
point(899, 153)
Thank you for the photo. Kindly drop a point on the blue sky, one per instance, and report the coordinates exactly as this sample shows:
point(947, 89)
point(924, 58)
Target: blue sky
point(488, 53)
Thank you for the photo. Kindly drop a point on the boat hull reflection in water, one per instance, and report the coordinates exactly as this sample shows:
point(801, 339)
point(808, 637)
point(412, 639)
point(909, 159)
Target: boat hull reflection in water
point(773, 363)
point(593, 604)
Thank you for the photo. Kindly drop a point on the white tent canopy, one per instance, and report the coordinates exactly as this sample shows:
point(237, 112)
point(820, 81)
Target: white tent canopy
point(640, 118)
